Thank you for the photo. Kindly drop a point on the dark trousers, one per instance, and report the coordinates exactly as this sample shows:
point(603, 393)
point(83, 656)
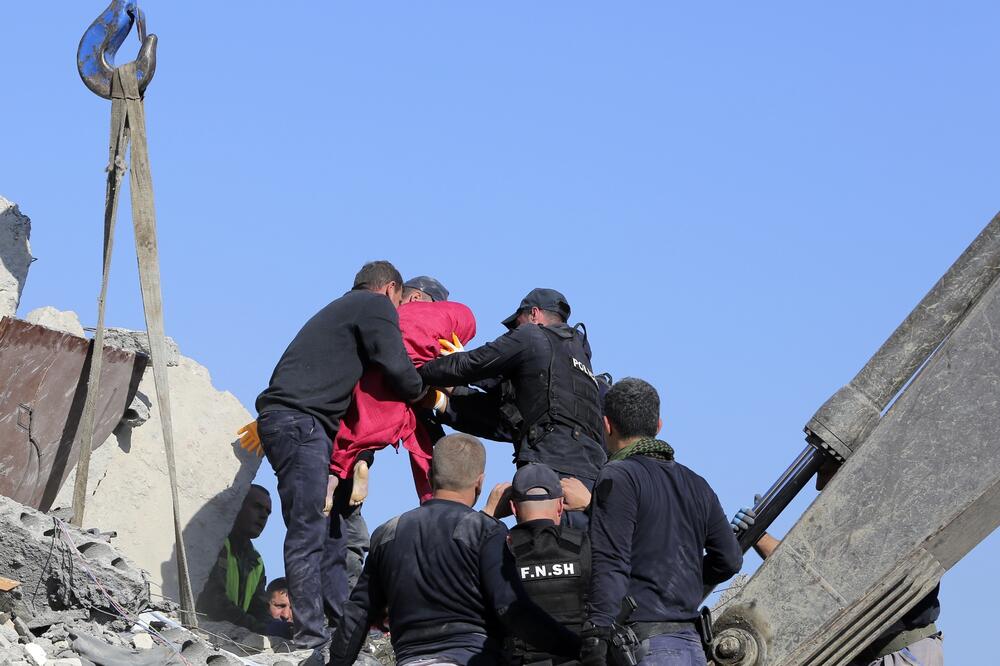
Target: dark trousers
point(298, 449)
point(678, 649)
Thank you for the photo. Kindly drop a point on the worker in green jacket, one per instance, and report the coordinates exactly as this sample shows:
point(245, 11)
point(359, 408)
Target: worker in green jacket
point(236, 587)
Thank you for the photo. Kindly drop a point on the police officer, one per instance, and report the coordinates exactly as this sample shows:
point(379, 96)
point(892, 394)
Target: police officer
point(553, 560)
point(443, 576)
point(299, 415)
point(546, 365)
point(657, 533)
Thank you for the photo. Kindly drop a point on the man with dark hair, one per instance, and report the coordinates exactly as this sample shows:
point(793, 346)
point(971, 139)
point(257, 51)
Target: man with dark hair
point(546, 400)
point(424, 288)
point(444, 578)
point(235, 589)
point(299, 414)
point(280, 608)
point(657, 533)
point(553, 560)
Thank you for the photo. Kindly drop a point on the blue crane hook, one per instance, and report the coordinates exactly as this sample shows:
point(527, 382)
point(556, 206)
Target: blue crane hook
point(96, 56)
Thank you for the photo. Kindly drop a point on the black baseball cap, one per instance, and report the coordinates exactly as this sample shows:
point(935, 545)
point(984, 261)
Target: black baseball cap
point(543, 299)
point(429, 286)
point(535, 475)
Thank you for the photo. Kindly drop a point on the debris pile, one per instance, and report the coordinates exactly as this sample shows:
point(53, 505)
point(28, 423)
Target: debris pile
point(70, 596)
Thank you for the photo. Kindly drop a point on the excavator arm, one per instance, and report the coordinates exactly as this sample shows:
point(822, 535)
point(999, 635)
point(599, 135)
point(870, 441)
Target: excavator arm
point(918, 431)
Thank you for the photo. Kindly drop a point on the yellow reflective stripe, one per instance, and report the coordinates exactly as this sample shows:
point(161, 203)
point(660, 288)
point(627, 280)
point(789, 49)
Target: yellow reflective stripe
point(233, 579)
point(253, 580)
point(232, 575)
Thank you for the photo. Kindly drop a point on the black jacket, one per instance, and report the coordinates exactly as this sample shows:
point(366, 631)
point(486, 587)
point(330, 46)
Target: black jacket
point(657, 533)
point(554, 389)
point(443, 576)
point(317, 373)
point(553, 562)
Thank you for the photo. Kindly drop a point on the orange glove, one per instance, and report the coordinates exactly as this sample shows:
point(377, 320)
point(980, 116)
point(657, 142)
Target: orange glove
point(434, 399)
point(249, 439)
point(451, 346)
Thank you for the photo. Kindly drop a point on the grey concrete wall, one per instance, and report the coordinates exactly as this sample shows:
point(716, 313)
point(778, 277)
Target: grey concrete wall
point(15, 255)
point(128, 483)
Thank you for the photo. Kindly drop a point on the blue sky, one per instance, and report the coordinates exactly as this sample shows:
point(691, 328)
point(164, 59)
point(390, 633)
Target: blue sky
point(740, 200)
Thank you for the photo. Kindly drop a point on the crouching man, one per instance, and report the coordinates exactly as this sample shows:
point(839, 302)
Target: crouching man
point(236, 587)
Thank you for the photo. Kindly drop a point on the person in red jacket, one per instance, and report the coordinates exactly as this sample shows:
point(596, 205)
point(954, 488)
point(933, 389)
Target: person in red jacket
point(377, 418)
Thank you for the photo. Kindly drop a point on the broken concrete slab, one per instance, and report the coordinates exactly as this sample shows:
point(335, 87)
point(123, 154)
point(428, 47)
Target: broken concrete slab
point(15, 255)
point(138, 341)
point(128, 481)
point(55, 562)
point(66, 321)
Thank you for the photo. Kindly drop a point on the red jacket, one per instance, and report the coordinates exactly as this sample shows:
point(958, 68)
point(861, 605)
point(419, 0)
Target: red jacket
point(376, 417)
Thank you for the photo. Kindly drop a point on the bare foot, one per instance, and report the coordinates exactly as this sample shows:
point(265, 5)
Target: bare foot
point(331, 486)
point(360, 491)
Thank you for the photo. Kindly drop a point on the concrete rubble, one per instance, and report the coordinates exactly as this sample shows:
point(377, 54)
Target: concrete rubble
point(58, 320)
point(128, 487)
point(15, 255)
point(138, 341)
point(81, 602)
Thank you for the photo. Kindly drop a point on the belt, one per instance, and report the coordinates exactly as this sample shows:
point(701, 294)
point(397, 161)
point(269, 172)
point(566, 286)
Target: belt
point(644, 630)
point(896, 642)
point(441, 630)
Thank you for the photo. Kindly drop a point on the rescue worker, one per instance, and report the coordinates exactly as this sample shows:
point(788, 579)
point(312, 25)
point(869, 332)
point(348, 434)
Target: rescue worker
point(299, 414)
point(424, 288)
point(912, 639)
point(553, 560)
point(546, 363)
point(443, 576)
point(657, 534)
point(236, 587)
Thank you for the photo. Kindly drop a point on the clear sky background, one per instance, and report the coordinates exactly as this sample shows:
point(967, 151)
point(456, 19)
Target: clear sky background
point(741, 200)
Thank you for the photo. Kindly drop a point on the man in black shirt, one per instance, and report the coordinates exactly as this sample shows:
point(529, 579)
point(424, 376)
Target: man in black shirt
point(299, 414)
point(657, 534)
point(546, 363)
point(444, 578)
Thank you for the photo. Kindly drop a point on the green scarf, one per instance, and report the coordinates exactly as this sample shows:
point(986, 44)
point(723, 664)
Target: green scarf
point(647, 446)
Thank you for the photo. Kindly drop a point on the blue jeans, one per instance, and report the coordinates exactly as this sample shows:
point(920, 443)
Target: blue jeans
point(298, 449)
point(678, 649)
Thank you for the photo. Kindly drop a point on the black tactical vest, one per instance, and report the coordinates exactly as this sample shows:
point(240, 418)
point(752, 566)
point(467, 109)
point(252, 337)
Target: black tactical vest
point(567, 393)
point(554, 565)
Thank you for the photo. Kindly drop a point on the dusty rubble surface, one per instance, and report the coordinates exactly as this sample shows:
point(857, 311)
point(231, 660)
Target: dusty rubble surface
point(80, 601)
